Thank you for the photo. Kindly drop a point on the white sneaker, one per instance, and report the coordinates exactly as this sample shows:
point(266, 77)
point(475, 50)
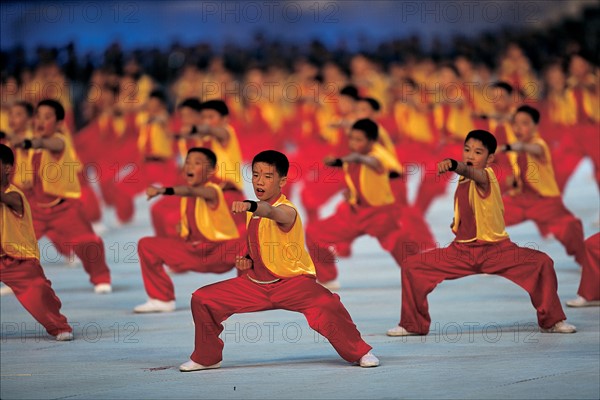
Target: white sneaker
point(5, 290)
point(560, 327)
point(99, 228)
point(103, 288)
point(155, 306)
point(194, 366)
point(581, 302)
point(368, 361)
point(332, 285)
point(400, 331)
point(64, 337)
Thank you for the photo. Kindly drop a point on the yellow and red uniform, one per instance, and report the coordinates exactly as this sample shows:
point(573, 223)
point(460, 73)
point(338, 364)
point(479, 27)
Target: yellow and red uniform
point(368, 209)
point(291, 285)
point(481, 246)
point(20, 267)
point(57, 212)
point(538, 198)
point(228, 172)
point(209, 242)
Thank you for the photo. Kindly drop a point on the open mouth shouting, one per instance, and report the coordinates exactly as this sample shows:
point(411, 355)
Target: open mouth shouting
point(259, 192)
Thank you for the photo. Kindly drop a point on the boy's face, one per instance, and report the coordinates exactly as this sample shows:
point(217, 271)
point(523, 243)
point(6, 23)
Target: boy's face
point(212, 118)
point(523, 126)
point(197, 169)
point(155, 106)
point(18, 120)
point(364, 110)
point(266, 181)
point(502, 101)
point(476, 154)
point(45, 122)
point(346, 104)
point(358, 142)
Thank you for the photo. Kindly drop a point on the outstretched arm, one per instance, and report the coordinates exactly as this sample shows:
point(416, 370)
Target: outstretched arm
point(207, 193)
point(367, 160)
point(284, 215)
point(54, 144)
point(478, 175)
point(531, 148)
point(220, 133)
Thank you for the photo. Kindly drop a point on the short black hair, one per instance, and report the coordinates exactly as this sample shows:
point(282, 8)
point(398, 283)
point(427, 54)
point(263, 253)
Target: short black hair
point(372, 102)
point(533, 113)
point(26, 105)
point(160, 95)
point(210, 155)
point(59, 110)
point(6, 155)
point(503, 85)
point(275, 158)
point(350, 91)
point(191, 102)
point(410, 82)
point(485, 137)
point(369, 127)
point(217, 105)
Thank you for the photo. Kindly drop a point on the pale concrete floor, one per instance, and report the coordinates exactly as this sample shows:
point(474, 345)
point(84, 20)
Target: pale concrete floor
point(484, 341)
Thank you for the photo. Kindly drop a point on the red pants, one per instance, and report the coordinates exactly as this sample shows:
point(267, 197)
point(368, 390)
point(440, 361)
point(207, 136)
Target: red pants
point(27, 280)
point(180, 256)
point(66, 221)
point(530, 269)
point(89, 201)
point(589, 287)
point(147, 173)
point(346, 225)
point(325, 313)
point(550, 215)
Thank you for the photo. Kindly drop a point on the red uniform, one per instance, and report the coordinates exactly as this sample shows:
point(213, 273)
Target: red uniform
point(370, 210)
point(290, 286)
point(538, 199)
point(194, 252)
point(58, 214)
point(20, 268)
point(481, 246)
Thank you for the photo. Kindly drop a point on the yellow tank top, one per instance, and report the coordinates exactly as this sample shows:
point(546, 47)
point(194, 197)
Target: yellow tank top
point(215, 225)
point(229, 158)
point(374, 187)
point(160, 141)
point(17, 235)
point(284, 253)
point(540, 173)
point(458, 123)
point(488, 211)
point(413, 123)
point(59, 174)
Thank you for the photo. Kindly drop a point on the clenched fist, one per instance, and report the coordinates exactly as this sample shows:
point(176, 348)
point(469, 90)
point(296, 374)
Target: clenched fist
point(152, 191)
point(239, 207)
point(243, 263)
